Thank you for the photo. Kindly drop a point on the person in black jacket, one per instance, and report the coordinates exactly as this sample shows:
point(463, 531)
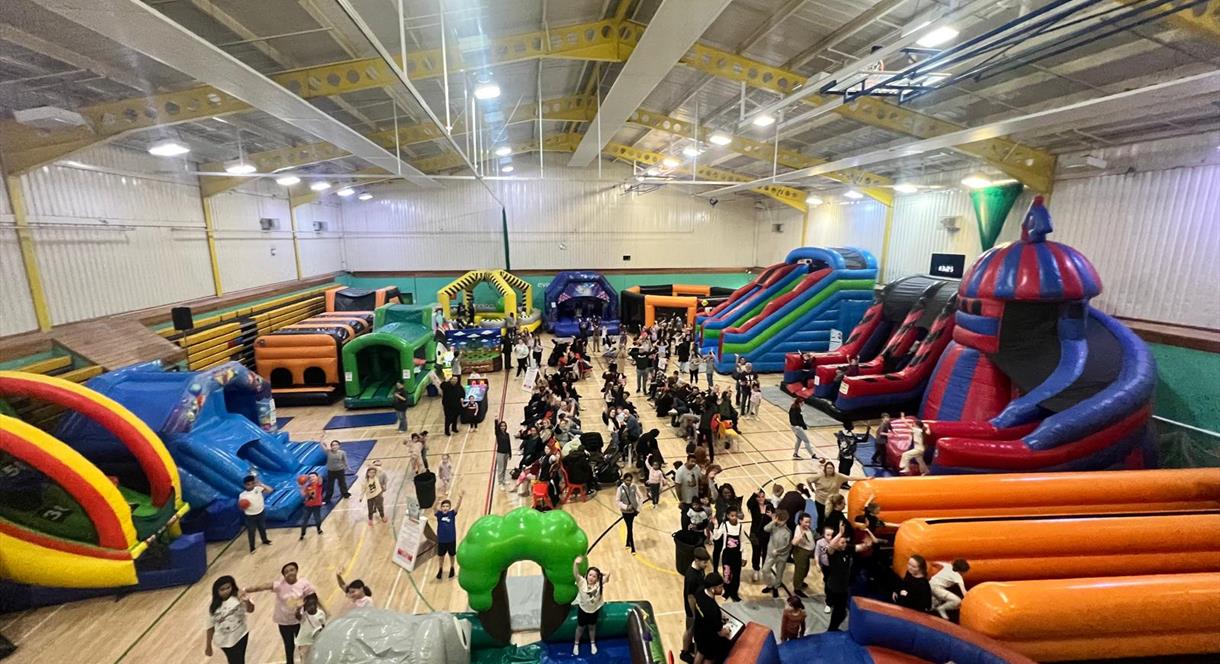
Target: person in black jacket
point(796, 419)
point(451, 402)
point(760, 515)
point(504, 450)
point(914, 591)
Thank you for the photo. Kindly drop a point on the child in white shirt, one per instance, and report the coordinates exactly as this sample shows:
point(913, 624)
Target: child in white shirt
point(313, 619)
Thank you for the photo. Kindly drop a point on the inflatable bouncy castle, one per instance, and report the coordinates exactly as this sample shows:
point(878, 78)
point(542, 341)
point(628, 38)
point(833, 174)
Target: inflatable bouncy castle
point(218, 426)
point(642, 306)
point(797, 305)
point(516, 298)
point(72, 520)
point(302, 361)
point(572, 296)
point(900, 336)
point(1027, 375)
point(401, 347)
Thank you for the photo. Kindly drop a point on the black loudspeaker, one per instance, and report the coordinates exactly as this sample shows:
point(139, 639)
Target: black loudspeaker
point(182, 318)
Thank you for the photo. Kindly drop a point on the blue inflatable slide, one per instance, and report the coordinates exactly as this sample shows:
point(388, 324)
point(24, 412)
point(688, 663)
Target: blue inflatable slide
point(219, 426)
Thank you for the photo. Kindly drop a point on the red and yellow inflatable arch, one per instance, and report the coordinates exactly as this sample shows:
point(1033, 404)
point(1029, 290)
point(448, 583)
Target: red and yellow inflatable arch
point(28, 555)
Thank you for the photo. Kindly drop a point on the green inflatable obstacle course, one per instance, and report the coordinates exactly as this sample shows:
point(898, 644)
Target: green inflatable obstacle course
point(400, 347)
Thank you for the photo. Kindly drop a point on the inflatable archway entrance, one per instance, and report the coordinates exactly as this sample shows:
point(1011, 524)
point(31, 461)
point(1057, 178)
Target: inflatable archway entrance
point(551, 539)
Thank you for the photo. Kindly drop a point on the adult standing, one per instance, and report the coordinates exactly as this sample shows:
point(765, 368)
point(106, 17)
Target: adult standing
point(687, 478)
point(336, 471)
point(537, 350)
point(290, 591)
point(760, 514)
point(803, 541)
point(712, 642)
point(506, 350)
point(779, 545)
point(627, 498)
point(401, 401)
point(504, 450)
point(643, 367)
point(826, 485)
point(840, 555)
point(510, 326)
point(521, 353)
point(709, 367)
point(227, 628)
point(796, 420)
point(692, 584)
point(451, 403)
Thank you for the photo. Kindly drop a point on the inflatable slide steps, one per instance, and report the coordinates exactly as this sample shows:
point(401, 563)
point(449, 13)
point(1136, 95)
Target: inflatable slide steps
point(774, 282)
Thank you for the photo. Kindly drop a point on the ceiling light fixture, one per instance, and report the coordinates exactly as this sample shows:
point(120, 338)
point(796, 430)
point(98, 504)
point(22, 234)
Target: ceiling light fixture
point(764, 120)
point(975, 182)
point(320, 185)
point(652, 171)
point(345, 192)
point(853, 194)
point(813, 200)
point(503, 151)
point(168, 149)
point(486, 89)
point(691, 151)
point(366, 196)
point(240, 168)
point(941, 35)
point(670, 162)
point(506, 169)
point(720, 138)
point(905, 188)
point(287, 180)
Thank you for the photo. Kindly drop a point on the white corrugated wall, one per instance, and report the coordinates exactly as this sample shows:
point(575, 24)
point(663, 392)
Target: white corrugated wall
point(1154, 238)
point(565, 221)
point(847, 224)
point(110, 238)
point(248, 255)
point(772, 244)
point(321, 250)
point(918, 233)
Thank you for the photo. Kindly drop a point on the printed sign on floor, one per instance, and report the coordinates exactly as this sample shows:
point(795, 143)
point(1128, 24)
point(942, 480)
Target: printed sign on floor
point(410, 543)
point(531, 377)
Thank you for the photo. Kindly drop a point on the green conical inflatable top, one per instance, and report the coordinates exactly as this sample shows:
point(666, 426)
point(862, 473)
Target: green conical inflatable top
point(991, 208)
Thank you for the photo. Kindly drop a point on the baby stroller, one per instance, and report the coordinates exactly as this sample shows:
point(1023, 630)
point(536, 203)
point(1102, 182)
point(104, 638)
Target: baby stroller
point(593, 442)
point(605, 468)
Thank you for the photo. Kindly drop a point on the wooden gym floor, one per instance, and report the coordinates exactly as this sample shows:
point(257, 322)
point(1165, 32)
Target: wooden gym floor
point(168, 625)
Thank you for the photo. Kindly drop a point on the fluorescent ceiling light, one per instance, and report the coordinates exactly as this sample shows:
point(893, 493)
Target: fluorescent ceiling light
point(503, 151)
point(653, 171)
point(168, 149)
point(345, 192)
point(240, 168)
point(932, 79)
point(486, 90)
point(813, 200)
point(366, 196)
point(764, 120)
point(690, 151)
point(670, 162)
point(506, 169)
point(287, 180)
point(941, 35)
point(905, 188)
point(320, 185)
point(853, 194)
point(720, 138)
point(976, 182)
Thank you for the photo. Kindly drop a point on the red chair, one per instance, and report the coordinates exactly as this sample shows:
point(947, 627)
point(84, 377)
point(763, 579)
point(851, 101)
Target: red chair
point(541, 494)
point(570, 489)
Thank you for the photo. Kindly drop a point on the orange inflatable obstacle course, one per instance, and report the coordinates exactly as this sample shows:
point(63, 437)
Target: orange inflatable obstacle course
point(303, 361)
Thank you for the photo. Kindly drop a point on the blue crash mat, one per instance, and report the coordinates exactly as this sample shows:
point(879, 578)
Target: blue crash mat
point(357, 452)
point(361, 420)
point(864, 455)
point(609, 651)
point(280, 422)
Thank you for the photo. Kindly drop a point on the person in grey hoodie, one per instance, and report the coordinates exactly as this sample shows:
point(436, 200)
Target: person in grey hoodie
point(779, 545)
point(336, 471)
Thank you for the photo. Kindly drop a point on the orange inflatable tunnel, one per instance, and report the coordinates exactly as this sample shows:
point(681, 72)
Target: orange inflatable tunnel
point(1099, 492)
point(643, 305)
point(303, 361)
point(1022, 548)
point(346, 299)
point(1101, 618)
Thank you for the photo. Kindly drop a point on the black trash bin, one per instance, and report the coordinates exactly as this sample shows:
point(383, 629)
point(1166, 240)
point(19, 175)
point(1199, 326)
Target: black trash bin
point(425, 489)
point(685, 543)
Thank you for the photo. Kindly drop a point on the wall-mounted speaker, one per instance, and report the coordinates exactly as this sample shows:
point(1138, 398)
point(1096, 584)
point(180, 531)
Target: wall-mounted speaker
point(183, 320)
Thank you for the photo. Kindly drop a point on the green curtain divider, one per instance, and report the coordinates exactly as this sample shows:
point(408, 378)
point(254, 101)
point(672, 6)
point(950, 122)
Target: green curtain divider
point(991, 208)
